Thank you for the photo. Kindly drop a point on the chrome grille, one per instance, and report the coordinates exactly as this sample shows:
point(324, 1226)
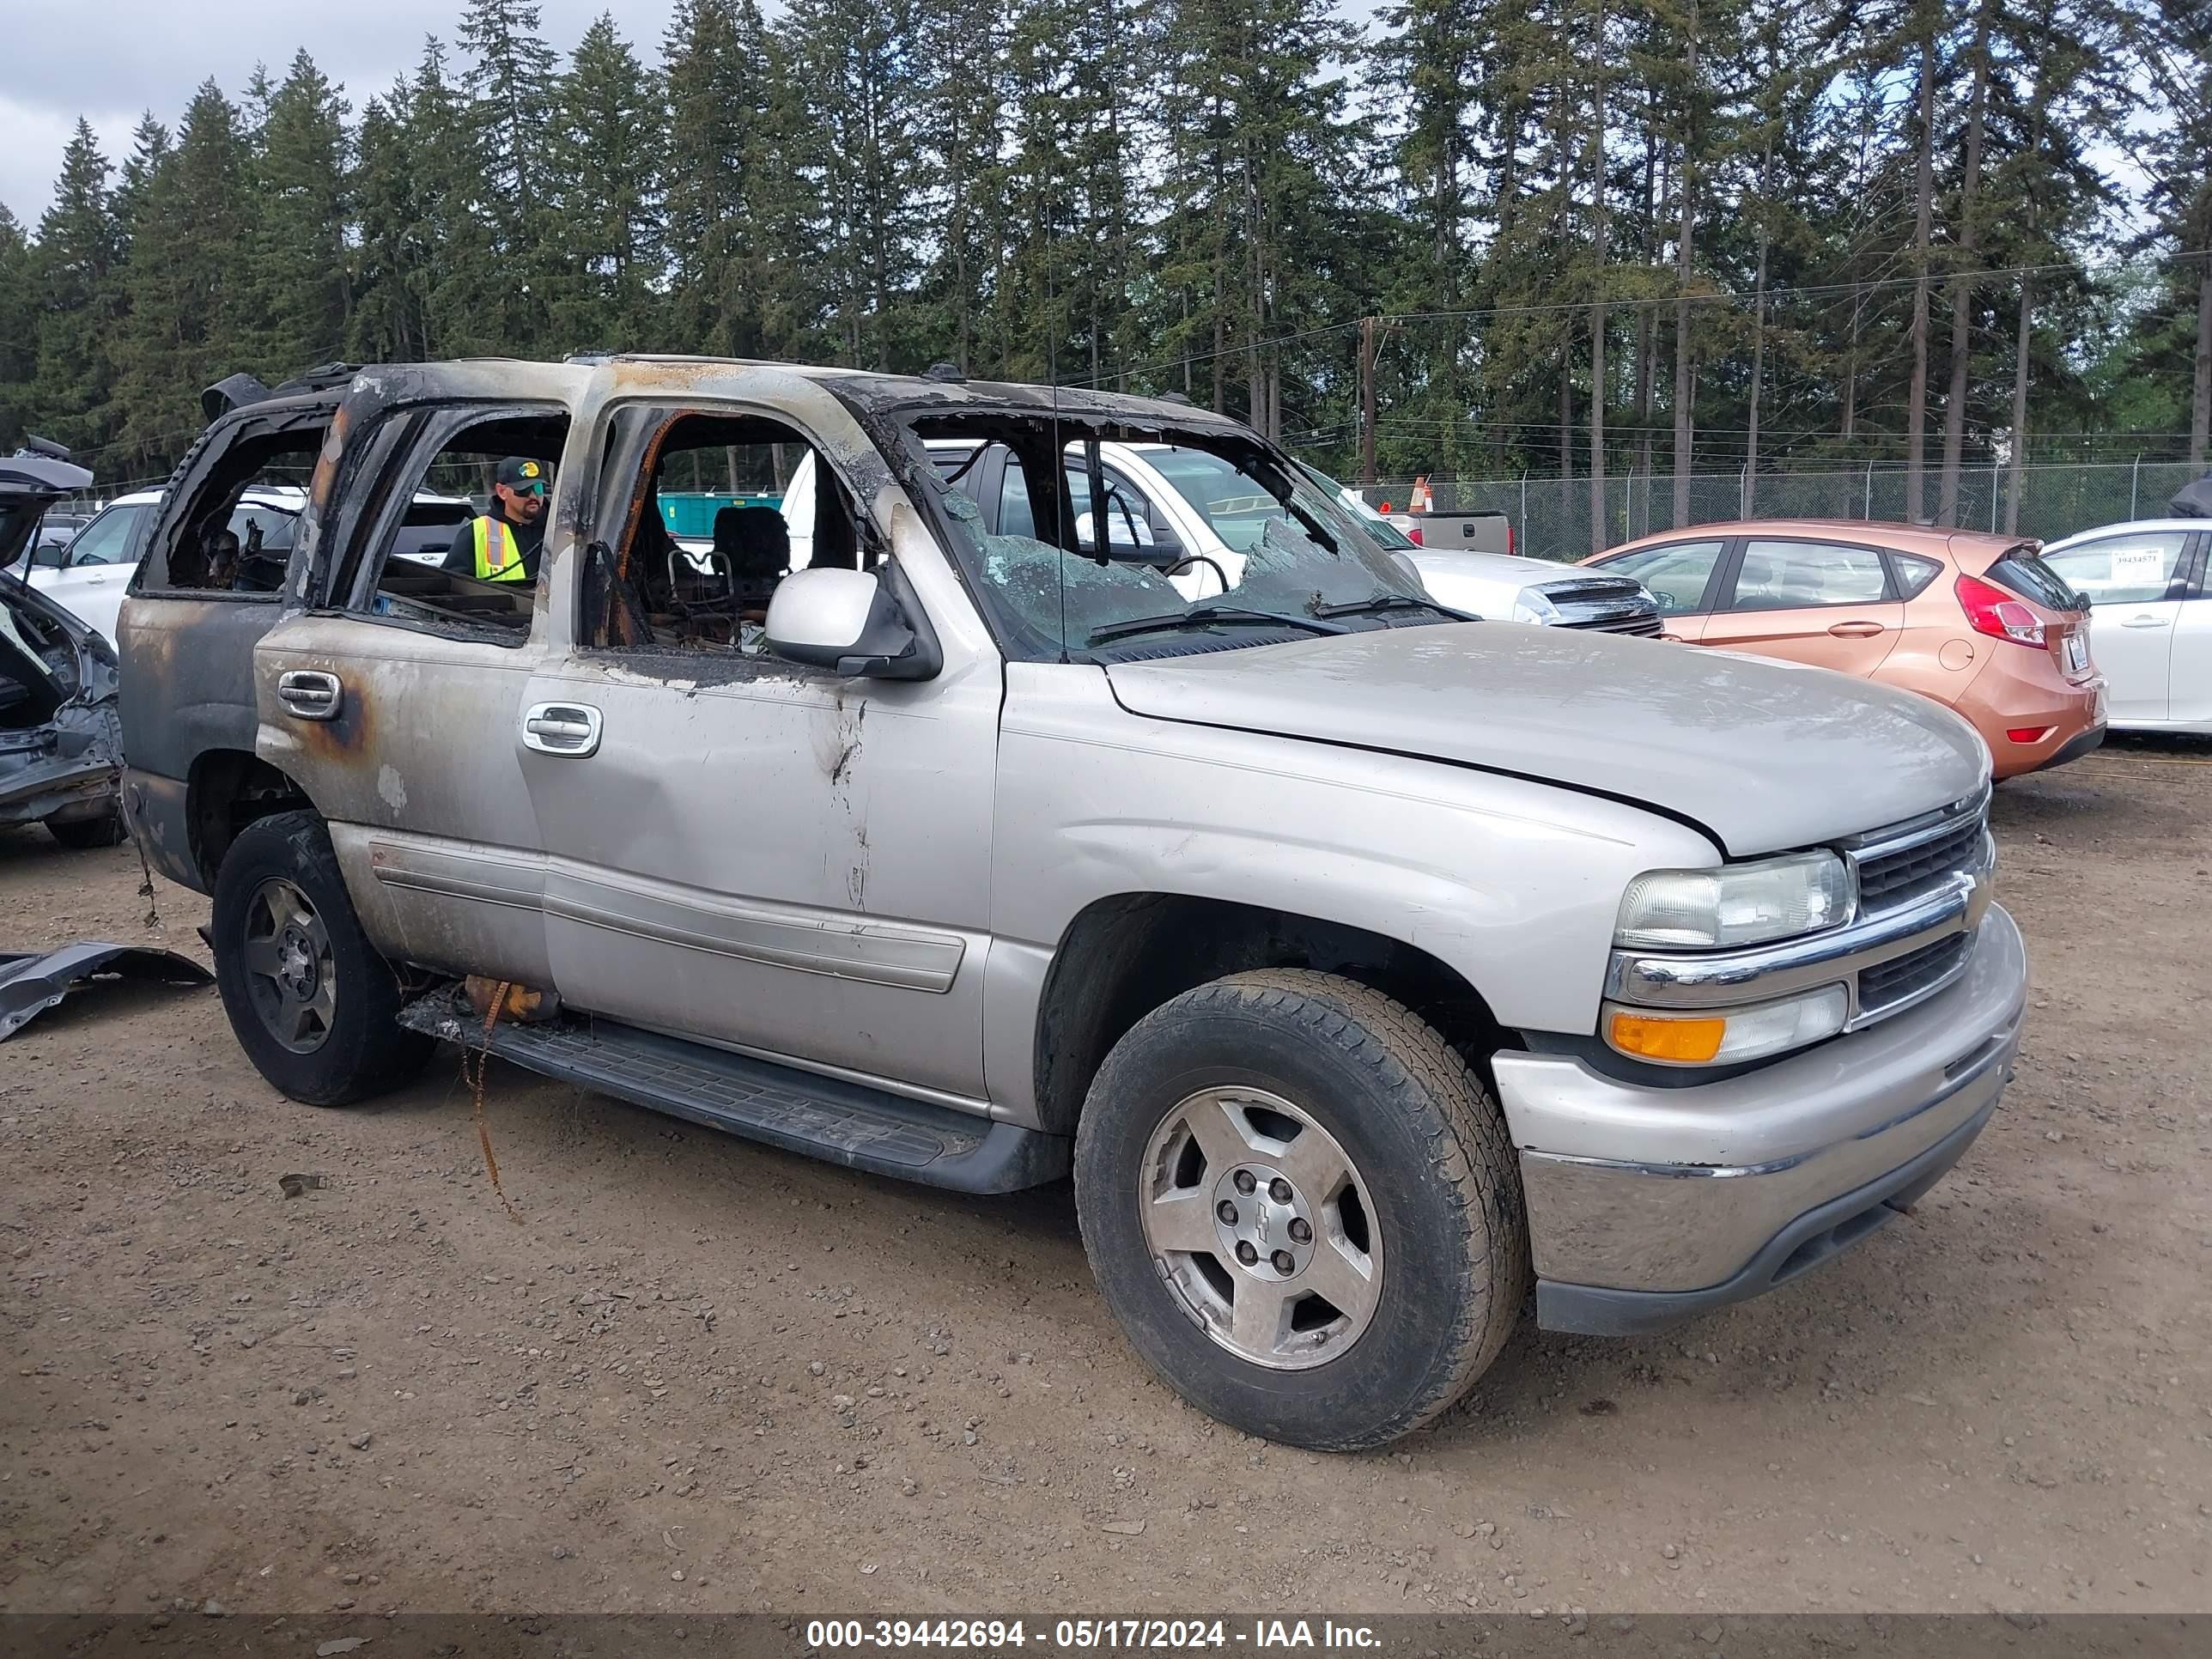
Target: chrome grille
point(1888, 985)
point(1647, 626)
point(1603, 605)
point(1923, 886)
point(1896, 866)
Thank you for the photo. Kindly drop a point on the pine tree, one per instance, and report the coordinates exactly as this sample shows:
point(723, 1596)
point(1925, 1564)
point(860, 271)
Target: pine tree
point(963, 58)
point(2174, 47)
point(19, 342)
point(863, 162)
point(511, 249)
point(302, 208)
point(73, 271)
point(387, 323)
point(717, 107)
point(451, 248)
point(191, 292)
point(606, 160)
point(149, 148)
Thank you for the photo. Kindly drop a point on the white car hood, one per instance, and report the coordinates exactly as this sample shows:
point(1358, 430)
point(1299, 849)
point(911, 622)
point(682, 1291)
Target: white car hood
point(1490, 566)
point(1764, 755)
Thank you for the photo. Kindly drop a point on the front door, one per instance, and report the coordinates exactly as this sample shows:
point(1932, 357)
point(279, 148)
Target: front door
point(1826, 603)
point(2188, 677)
point(744, 851)
point(2134, 582)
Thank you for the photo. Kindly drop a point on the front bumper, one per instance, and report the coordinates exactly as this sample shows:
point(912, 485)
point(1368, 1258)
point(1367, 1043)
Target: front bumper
point(1647, 1205)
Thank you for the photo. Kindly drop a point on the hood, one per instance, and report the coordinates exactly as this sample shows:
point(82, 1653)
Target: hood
point(1762, 755)
point(1491, 567)
point(29, 485)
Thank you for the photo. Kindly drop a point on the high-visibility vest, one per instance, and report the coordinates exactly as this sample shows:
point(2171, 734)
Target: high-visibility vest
point(499, 556)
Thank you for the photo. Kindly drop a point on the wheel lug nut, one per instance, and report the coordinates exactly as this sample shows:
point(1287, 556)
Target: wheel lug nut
point(1227, 1211)
point(1300, 1232)
point(1245, 1181)
point(1279, 1190)
point(1284, 1263)
point(1245, 1253)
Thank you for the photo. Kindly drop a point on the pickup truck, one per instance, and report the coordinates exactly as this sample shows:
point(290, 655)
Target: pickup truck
point(1365, 967)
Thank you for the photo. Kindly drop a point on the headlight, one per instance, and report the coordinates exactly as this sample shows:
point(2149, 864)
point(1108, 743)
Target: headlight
point(1531, 606)
point(1724, 1036)
point(1735, 903)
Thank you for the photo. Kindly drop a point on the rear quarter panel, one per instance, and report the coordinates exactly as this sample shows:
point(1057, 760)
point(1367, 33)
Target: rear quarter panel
point(187, 688)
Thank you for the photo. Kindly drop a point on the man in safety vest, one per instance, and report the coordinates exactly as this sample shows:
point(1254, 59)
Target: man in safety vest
point(503, 545)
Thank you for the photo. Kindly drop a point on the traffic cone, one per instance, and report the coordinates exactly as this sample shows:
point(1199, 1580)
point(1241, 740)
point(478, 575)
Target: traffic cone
point(1421, 501)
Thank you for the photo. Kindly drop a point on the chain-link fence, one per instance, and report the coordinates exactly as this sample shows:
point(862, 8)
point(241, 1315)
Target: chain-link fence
point(1551, 517)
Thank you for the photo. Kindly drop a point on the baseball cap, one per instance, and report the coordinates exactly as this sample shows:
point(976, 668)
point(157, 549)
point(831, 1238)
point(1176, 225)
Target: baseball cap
point(516, 470)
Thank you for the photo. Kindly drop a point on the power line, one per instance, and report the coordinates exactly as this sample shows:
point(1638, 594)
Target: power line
point(2145, 267)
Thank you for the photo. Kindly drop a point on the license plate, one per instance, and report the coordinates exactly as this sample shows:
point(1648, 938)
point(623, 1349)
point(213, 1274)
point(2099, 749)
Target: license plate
point(2077, 654)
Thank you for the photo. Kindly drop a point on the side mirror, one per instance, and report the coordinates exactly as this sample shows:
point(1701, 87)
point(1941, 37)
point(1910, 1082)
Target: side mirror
point(851, 621)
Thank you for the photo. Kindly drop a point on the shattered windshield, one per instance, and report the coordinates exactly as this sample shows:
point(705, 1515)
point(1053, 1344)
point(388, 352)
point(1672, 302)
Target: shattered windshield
point(1210, 542)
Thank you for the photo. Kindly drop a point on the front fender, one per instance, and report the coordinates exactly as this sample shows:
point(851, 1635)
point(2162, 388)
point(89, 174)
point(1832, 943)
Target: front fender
point(1515, 885)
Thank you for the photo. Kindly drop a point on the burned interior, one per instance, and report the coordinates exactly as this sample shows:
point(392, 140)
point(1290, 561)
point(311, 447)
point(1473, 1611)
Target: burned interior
point(644, 589)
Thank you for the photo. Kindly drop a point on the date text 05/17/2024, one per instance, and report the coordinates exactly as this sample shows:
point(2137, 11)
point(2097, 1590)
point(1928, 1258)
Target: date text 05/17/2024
point(988, 1635)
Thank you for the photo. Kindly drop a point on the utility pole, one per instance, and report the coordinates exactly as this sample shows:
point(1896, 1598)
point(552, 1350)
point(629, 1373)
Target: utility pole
point(1367, 349)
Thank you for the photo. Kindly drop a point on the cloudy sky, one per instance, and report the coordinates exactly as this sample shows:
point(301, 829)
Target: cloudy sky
point(110, 60)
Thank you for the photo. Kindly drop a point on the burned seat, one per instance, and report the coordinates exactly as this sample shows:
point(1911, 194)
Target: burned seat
point(757, 544)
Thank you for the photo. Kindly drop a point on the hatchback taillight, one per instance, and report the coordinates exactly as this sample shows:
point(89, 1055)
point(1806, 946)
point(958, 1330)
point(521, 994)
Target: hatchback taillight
point(1993, 611)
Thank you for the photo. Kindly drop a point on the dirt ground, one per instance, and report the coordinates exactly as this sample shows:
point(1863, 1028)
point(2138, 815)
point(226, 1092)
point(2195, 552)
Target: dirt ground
point(689, 1373)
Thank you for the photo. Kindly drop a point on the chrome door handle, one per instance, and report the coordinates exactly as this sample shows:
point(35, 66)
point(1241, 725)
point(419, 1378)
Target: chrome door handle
point(562, 728)
point(310, 693)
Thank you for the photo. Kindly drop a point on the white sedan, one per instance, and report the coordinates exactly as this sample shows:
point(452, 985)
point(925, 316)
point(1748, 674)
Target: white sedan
point(2150, 624)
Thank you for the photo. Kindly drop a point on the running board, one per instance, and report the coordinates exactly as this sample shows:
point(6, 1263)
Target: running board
point(828, 1118)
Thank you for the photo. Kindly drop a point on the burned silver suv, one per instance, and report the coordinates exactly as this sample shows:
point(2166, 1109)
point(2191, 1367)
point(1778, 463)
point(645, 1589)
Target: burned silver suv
point(1364, 965)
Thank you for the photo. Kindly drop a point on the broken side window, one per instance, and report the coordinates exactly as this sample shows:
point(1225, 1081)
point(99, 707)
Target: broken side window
point(705, 512)
point(240, 518)
point(453, 536)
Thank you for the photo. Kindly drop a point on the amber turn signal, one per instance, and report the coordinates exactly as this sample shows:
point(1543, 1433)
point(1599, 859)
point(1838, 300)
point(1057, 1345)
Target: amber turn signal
point(1691, 1042)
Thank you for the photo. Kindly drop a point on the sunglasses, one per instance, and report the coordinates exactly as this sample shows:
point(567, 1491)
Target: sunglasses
point(536, 489)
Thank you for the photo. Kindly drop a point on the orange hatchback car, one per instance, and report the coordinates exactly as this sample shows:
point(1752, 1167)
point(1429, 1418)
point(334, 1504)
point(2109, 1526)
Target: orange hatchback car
point(1978, 623)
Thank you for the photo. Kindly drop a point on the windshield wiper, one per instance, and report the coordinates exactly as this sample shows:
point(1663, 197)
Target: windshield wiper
point(1200, 615)
point(1390, 602)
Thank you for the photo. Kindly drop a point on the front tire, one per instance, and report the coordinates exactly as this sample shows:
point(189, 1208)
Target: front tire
point(1303, 1207)
point(313, 1003)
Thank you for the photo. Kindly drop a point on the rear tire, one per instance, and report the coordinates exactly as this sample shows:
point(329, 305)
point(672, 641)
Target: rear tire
point(312, 1003)
point(1303, 1207)
point(86, 835)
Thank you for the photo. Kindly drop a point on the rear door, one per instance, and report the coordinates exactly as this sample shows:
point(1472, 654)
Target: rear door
point(2136, 583)
point(394, 697)
point(186, 634)
point(1685, 577)
point(1830, 604)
